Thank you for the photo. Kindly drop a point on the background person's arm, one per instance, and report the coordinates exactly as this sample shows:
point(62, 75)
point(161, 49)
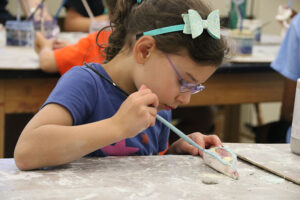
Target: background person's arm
point(28, 6)
point(78, 23)
point(44, 48)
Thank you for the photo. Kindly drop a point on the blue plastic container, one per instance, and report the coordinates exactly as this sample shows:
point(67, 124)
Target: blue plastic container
point(19, 33)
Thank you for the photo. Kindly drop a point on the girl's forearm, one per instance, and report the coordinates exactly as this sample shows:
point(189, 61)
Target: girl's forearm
point(52, 145)
point(76, 22)
point(47, 60)
point(79, 24)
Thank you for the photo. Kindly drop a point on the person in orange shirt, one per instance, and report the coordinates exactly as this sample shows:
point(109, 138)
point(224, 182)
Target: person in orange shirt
point(56, 56)
point(59, 56)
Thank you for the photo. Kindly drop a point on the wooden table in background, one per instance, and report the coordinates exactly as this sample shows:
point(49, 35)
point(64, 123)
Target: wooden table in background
point(235, 88)
point(23, 86)
point(26, 95)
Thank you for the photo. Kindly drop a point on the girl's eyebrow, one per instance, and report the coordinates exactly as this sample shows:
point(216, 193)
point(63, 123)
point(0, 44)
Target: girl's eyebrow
point(192, 77)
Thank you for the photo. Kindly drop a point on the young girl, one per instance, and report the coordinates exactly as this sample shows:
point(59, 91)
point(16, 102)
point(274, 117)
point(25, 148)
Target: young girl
point(156, 56)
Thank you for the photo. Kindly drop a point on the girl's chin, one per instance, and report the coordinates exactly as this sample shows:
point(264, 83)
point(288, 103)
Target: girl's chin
point(164, 107)
point(160, 107)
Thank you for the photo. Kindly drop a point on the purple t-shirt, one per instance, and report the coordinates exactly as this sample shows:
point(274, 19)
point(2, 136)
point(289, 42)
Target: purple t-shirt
point(90, 98)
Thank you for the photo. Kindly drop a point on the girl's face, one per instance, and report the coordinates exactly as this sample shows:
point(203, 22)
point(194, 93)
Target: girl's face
point(173, 78)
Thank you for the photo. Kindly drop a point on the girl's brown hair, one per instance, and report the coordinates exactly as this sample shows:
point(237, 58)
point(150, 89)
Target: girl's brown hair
point(129, 19)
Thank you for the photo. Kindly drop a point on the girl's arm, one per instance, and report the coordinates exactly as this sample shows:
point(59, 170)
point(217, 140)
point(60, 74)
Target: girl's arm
point(47, 61)
point(49, 139)
point(74, 21)
point(44, 48)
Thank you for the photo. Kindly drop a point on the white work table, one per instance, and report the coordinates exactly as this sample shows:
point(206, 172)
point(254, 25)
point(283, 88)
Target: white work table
point(24, 58)
point(148, 177)
point(262, 52)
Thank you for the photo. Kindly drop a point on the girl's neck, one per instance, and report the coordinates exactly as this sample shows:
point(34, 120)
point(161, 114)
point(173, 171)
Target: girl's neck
point(120, 70)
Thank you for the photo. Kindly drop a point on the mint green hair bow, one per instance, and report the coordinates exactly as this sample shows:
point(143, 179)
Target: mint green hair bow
point(193, 24)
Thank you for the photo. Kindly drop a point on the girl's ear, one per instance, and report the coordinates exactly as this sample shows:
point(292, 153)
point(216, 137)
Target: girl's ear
point(143, 49)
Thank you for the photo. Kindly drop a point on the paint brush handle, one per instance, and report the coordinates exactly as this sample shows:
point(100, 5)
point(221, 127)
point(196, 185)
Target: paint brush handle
point(88, 9)
point(30, 17)
point(59, 9)
point(179, 132)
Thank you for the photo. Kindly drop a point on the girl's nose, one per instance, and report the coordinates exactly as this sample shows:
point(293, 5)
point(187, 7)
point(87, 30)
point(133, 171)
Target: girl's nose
point(184, 98)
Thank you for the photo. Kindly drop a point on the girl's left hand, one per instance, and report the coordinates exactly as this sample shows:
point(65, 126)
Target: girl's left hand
point(205, 141)
point(58, 44)
point(42, 42)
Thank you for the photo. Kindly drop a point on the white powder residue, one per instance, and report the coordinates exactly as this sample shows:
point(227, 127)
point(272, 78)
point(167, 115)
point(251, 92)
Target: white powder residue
point(246, 171)
point(89, 196)
point(19, 175)
point(65, 182)
point(272, 179)
point(210, 175)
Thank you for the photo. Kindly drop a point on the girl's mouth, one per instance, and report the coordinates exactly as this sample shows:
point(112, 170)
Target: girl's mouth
point(166, 107)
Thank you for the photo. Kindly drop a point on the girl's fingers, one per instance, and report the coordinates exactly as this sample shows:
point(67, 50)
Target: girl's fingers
point(203, 141)
point(143, 87)
point(146, 96)
point(185, 147)
point(144, 91)
point(60, 44)
point(199, 139)
point(152, 121)
point(152, 111)
point(212, 141)
point(190, 149)
point(39, 36)
point(150, 99)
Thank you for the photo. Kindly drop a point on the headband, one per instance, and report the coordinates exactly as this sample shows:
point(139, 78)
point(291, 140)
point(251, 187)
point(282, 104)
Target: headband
point(193, 24)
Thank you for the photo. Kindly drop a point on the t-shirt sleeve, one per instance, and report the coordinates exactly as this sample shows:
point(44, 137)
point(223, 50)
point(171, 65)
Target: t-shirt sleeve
point(287, 61)
point(165, 131)
point(85, 50)
point(77, 92)
point(74, 54)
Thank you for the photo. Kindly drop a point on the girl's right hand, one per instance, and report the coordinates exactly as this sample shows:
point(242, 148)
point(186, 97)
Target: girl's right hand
point(42, 42)
point(137, 112)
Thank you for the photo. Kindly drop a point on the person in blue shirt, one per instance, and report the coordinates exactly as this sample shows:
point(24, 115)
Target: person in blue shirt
point(4, 13)
point(77, 18)
point(158, 52)
point(287, 63)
